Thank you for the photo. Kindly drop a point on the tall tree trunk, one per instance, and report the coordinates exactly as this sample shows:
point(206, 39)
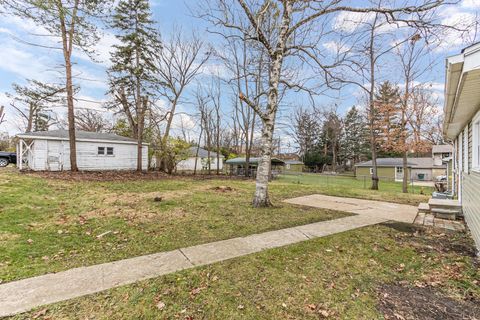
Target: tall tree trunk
point(71, 116)
point(67, 43)
point(261, 197)
point(405, 172)
point(198, 148)
point(31, 114)
point(371, 102)
point(142, 104)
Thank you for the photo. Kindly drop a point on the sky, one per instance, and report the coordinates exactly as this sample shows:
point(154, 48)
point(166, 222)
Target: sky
point(20, 61)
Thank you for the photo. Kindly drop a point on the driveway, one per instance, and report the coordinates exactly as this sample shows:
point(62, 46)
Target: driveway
point(377, 209)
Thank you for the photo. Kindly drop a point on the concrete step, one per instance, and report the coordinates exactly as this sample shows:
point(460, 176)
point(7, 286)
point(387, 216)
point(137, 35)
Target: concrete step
point(424, 208)
point(445, 213)
point(444, 203)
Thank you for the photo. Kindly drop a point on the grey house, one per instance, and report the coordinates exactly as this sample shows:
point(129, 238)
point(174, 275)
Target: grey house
point(462, 126)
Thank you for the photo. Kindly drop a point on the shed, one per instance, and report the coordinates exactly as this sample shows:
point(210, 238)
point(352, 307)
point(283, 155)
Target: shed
point(200, 160)
point(294, 165)
point(423, 169)
point(50, 151)
point(237, 166)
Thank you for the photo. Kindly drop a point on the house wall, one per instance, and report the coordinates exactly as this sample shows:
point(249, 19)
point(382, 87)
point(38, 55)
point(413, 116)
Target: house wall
point(294, 167)
point(54, 155)
point(428, 174)
point(438, 172)
point(468, 182)
point(471, 203)
point(189, 164)
point(384, 173)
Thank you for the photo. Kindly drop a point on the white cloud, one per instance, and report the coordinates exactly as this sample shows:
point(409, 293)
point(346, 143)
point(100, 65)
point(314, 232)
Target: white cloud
point(471, 4)
point(336, 46)
point(462, 32)
point(351, 21)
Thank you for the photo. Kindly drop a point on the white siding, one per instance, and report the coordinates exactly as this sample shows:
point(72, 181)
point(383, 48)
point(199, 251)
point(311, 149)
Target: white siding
point(54, 155)
point(189, 164)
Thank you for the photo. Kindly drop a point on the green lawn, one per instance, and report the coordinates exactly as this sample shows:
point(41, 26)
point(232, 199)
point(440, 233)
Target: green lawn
point(347, 186)
point(50, 225)
point(336, 277)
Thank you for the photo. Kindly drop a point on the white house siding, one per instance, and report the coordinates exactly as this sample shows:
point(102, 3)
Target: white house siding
point(189, 164)
point(54, 155)
point(471, 204)
point(469, 183)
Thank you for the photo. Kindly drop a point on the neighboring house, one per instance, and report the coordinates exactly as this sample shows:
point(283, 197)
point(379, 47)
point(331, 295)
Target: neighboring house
point(462, 126)
point(441, 153)
point(294, 166)
point(237, 166)
point(419, 169)
point(50, 151)
point(201, 160)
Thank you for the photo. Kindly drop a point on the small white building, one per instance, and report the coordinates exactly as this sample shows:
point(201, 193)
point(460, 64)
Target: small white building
point(50, 151)
point(201, 159)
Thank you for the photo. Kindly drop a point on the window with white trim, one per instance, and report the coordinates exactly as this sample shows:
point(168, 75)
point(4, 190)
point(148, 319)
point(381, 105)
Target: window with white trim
point(371, 170)
point(476, 143)
point(105, 151)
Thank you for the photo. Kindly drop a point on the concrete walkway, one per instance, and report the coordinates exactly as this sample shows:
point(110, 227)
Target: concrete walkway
point(367, 208)
point(23, 295)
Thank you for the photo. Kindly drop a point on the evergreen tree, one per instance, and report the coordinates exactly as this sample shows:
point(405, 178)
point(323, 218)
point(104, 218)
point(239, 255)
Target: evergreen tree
point(132, 74)
point(387, 118)
point(354, 142)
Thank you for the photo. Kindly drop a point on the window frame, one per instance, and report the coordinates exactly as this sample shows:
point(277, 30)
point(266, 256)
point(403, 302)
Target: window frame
point(476, 143)
point(103, 151)
point(371, 171)
point(113, 151)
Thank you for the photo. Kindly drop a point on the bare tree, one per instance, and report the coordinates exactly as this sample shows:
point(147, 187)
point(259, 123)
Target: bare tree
point(412, 56)
point(180, 61)
point(246, 64)
point(91, 120)
point(71, 22)
point(292, 30)
point(2, 114)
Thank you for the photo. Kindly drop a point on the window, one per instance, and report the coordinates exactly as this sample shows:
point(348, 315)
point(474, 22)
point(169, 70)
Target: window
point(371, 170)
point(102, 151)
point(399, 169)
point(476, 143)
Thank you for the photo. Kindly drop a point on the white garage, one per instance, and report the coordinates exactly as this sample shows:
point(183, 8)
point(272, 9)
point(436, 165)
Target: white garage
point(50, 151)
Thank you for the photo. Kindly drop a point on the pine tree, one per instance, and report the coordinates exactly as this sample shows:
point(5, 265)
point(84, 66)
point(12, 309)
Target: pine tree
point(132, 74)
point(353, 144)
point(387, 118)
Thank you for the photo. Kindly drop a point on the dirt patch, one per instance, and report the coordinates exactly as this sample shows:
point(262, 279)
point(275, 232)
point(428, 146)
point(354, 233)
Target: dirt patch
point(6, 236)
point(424, 239)
point(102, 176)
point(223, 189)
point(404, 303)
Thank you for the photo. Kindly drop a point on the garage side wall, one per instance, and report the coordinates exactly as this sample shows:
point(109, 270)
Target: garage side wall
point(54, 155)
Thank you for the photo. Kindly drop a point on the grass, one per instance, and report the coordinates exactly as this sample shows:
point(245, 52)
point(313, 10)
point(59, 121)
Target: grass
point(357, 188)
point(51, 225)
point(335, 277)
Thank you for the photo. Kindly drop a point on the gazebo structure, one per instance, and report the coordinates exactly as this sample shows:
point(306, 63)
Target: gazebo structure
point(238, 166)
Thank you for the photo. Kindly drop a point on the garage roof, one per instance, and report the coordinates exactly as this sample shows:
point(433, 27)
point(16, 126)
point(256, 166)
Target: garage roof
point(80, 136)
